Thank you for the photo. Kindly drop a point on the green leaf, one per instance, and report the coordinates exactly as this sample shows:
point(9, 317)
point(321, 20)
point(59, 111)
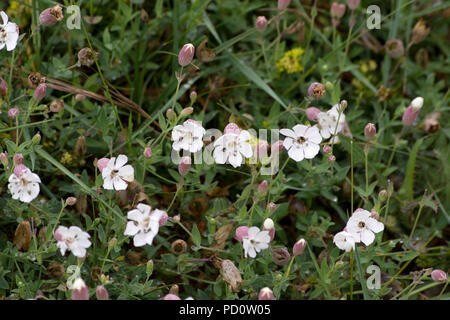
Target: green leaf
point(196, 237)
point(407, 187)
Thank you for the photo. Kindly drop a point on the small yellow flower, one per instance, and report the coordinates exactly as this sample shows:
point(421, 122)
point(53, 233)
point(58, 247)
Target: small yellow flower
point(290, 62)
point(66, 158)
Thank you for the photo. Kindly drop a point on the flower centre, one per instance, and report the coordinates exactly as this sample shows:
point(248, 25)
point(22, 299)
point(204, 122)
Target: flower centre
point(361, 224)
point(114, 173)
point(301, 140)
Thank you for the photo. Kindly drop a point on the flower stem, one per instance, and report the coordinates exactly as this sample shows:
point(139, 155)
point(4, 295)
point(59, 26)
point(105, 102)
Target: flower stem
point(289, 267)
point(415, 222)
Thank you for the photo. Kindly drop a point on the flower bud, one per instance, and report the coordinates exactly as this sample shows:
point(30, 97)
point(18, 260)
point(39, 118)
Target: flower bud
point(51, 16)
point(87, 57)
point(149, 269)
point(281, 256)
point(283, 4)
point(184, 166)
point(383, 195)
point(170, 114)
point(417, 104)
point(420, 32)
point(271, 233)
point(342, 105)
point(316, 90)
point(261, 149)
point(331, 158)
point(439, 275)
point(164, 218)
point(277, 146)
point(13, 113)
point(262, 187)
point(3, 87)
point(312, 113)
point(80, 146)
point(112, 243)
point(176, 218)
point(353, 4)
point(19, 169)
point(409, 116)
point(232, 128)
point(370, 131)
point(266, 294)
point(18, 158)
point(186, 111)
point(56, 105)
point(148, 152)
point(193, 96)
point(431, 123)
point(186, 54)
point(326, 149)
point(261, 23)
point(299, 247)
point(268, 224)
point(71, 201)
point(171, 297)
point(375, 215)
point(241, 233)
point(4, 159)
point(80, 290)
point(40, 92)
point(394, 48)
point(337, 10)
point(80, 97)
point(102, 164)
point(272, 206)
point(101, 293)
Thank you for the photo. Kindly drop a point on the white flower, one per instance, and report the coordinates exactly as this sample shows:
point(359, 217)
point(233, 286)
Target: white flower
point(24, 185)
point(233, 147)
point(188, 136)
point(9, 33)
point(116, 174)
point(328, 122)
point(344, 241)
point(74, 239)
point(362, 227)
point(302, 142)
point(144, 224)
point(255, 241)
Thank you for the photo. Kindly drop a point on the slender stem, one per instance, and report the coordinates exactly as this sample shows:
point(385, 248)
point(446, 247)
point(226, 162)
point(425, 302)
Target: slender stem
point(366, 156)
point(290, 266)
point(415, 222)
point(351, 275)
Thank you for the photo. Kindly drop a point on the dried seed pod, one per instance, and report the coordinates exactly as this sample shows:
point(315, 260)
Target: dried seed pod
point(281, 256)
point(42, 236)
point(420, 32)
point(179, 246)
point(231, 275)
point(81, 204)
point(80, 147)
point(174, 290)
point(87, 57)
point(96, 273)
point(22, 236)
point(34, 79)
point(205, 54)
point(55, 270)
point(135, 258)
point(222, 235)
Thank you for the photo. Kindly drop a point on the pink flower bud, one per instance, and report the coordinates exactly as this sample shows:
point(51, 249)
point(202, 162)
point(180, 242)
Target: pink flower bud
point(337, 10)
point(164, 218)
point(87, 57)
point(148, 152)
point(374, 215)
point(370, 131)
point(186, 111)
point(171, 296)
point(184, 166)
point(271, 233)
point(299, 247)
point(272, 206)
point(80, 290)
point(80, 97)
point(51, 16)
point(58, 236)
point(353, 4)
point(261, 23)
point(358, 210)
point(70, 201)
point(261, 149)
point(277, 146)
point(316, 90)
point(312, 113)
point(439, 275)
point(266, 294)
point(4, 159)
point(19, 169)
point(394, 48)
point(3, 87)
point(283, 4)
point(13, 113)
point(262, 187)
point(102, 164)
point(232, 128)
point(18, 158)
point(331, 158)
point(326, 149)
point(40, 92)
point(241, 233)
point(409, 116)
point(193, 96)
point(186, 54)
point(101, 293)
